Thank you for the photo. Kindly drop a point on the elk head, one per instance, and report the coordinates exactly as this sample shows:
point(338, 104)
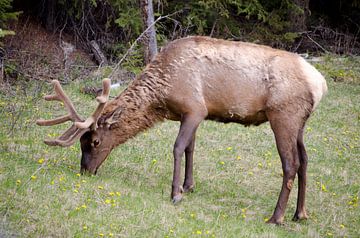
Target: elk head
point(96, 144)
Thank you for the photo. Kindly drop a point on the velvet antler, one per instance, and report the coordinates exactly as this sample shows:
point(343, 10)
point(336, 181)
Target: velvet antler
point(79, 126)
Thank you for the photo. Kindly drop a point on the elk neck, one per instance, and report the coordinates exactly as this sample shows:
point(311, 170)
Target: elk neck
point(140, 106)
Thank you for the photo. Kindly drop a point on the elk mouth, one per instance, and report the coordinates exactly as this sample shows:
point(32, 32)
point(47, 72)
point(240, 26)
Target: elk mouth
point(85, 170)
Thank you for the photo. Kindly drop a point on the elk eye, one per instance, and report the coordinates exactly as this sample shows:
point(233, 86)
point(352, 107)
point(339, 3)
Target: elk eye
point(96, 143)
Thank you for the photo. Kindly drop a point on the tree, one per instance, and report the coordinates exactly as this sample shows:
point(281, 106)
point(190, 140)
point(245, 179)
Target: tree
point(149, 41)
point(6, 15)
point(298, 15)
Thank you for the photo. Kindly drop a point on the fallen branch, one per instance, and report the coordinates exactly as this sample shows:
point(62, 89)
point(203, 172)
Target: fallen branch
point(326, 51)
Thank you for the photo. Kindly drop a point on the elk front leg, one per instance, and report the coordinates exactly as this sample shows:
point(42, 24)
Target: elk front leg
point(189, 179)
point(189, 124)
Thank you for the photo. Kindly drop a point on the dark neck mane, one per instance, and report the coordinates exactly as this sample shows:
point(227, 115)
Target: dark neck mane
point(141, 106)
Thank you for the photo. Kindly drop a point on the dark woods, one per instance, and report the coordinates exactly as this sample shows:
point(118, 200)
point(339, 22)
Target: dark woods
point(296, 25)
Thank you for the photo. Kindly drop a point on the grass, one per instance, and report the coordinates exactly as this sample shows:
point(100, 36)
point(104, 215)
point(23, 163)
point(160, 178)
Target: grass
point(237, 173)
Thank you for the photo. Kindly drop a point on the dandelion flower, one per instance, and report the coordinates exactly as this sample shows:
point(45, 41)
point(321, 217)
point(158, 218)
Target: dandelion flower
point(198, 232)
point(33, 177)
point(107, 201)
point(78, 174)
point(100, 187)
point(84, 206)
point(18, 181)
point(40, 161)
point(111, 194)
point(323, 188)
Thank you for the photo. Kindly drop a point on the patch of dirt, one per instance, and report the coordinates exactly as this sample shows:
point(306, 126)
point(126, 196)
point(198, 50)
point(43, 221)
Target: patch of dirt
point(34, 53)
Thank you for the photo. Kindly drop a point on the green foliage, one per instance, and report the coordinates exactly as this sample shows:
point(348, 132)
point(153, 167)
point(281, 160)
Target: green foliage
point(5, 16)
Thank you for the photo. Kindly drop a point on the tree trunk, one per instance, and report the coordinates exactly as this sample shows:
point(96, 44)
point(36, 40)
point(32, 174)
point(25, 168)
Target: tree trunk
point(299, 15)
point(50, 15)
point(149, 41)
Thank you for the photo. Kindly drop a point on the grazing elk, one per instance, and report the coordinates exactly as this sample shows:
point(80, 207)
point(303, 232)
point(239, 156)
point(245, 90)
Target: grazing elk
point(198, 78)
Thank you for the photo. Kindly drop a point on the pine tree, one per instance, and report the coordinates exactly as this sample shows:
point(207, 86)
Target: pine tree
point(5, 15)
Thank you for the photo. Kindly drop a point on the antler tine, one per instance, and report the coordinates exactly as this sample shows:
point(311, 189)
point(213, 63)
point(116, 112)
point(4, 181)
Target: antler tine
point(102, 99)
point(60, 96)
point(68, 138)
point(79, 127)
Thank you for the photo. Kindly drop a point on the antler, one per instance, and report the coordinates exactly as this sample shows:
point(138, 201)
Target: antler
point(79, 126)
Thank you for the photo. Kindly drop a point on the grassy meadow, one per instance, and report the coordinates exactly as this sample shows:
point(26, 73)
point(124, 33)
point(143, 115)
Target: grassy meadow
point(237, 173)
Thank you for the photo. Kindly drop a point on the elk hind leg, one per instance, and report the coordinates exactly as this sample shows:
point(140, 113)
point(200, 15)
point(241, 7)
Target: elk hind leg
point(300, 213)
point(285, 131)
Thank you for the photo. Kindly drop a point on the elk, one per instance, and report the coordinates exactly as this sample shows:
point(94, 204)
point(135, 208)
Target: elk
point(201, 78)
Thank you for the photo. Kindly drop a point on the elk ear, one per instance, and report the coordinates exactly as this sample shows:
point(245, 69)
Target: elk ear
point(114, 117)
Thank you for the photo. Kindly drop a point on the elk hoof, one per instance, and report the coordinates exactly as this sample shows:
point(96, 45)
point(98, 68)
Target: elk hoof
point(275, 221)
point(177, 198)
point(188, 188)
point(300, 216)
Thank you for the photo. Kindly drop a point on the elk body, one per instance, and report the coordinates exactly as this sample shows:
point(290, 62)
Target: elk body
point(198, 78)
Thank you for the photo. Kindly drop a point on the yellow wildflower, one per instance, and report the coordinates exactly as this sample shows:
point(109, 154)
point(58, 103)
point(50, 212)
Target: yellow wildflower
point(40, 161)
point(323, 188)
point(33, 177)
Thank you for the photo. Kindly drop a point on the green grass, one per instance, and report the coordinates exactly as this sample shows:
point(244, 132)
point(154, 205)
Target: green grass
point(237, 172)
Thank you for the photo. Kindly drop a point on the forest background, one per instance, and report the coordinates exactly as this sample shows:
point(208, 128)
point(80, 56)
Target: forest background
point(303, 26)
